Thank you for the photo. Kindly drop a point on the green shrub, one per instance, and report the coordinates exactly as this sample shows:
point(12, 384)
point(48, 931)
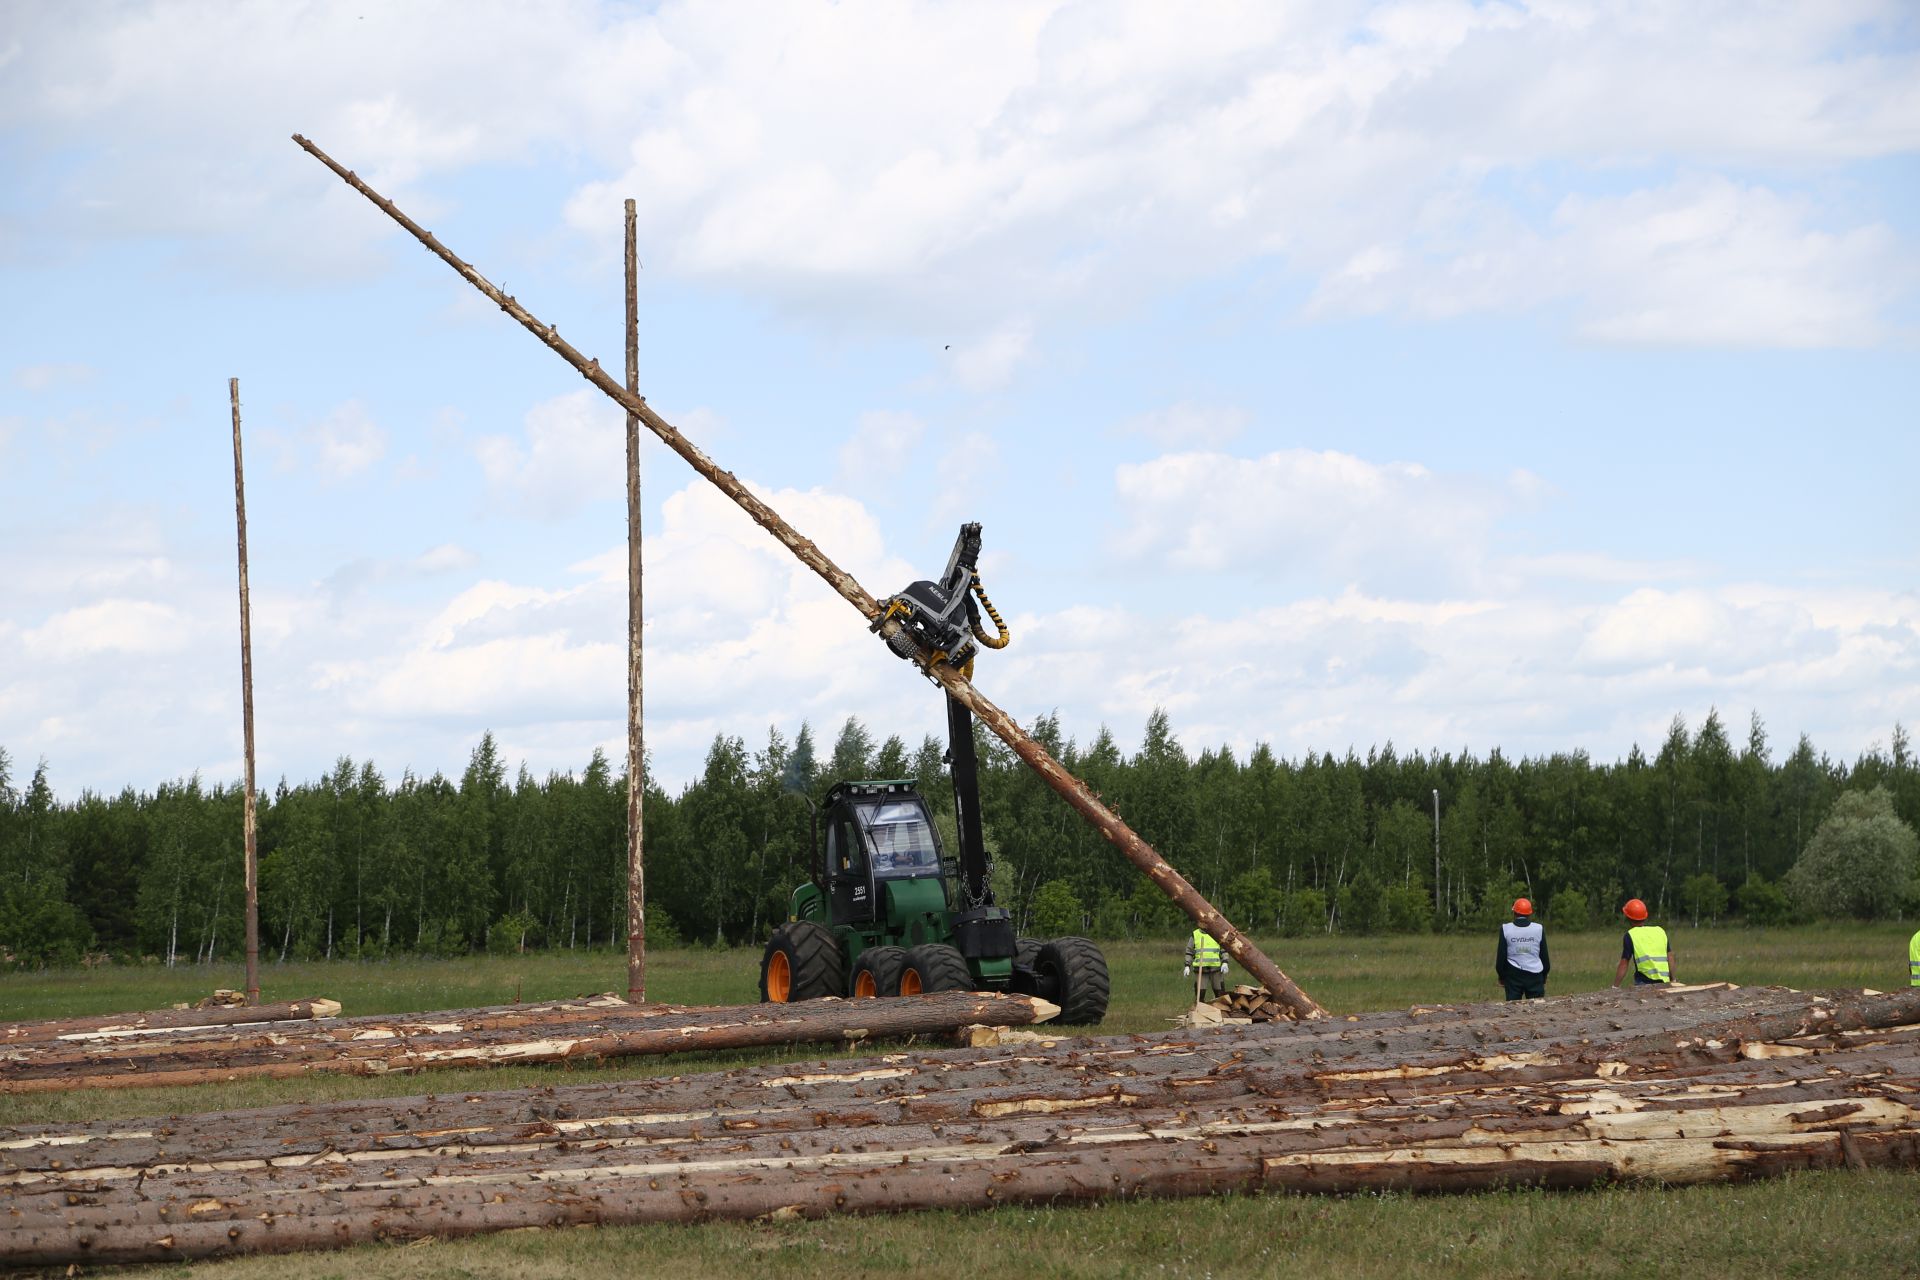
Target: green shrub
point(1304, 911)
point(513, 932)
point(1363, 905)
point(1703, 895)
point(1496, 902)
point(1409, 909)
point(1860, 862)
point(1761, 902)
point(1057, 910)
point(662, 932)
point(1252, 902)
point(1571, 909)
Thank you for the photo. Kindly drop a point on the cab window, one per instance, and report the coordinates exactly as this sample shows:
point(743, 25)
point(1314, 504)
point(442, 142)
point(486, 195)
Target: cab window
point(901, 840)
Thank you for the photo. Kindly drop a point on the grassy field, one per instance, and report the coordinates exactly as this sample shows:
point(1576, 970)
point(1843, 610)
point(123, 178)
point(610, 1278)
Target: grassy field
point(1825, 1224)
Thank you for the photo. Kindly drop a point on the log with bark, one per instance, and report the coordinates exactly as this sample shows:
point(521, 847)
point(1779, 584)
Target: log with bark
point(562, 1032)
point(1679, 1087)
point(112, 1024)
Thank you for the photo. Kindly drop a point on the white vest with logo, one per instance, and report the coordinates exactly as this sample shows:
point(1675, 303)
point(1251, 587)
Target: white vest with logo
point(1523, 946)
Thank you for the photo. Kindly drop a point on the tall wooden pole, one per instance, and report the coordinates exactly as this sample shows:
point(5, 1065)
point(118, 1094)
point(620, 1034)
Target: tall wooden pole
point(246, 708)
point(636, 743)
point(1070, 788)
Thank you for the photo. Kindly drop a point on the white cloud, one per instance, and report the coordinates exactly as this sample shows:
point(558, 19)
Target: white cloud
point(347, 441)
point(878, 451)
point(989, 363)
point(46, 377)
point(131, 686)
point(572, 452)
point(445, 558)
point(1186, 426)
point(1519, 672)
point(1698, 262)
point(1293, 510)
point(132, 627)
point(976, 167)
point(1712, 263)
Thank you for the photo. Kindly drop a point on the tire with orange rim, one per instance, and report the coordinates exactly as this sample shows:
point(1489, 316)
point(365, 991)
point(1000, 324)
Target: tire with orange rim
point(935, 967)
point(803, 961)
point(877, 971)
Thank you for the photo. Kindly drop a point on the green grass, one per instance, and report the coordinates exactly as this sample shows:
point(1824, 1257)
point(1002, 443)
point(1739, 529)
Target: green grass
point(1825, 1224)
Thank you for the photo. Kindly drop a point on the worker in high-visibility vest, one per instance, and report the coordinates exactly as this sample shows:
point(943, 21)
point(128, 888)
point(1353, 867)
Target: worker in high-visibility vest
point(1205, 958)
point(1644, 947)
point(1913, 958)
point(1520, 957)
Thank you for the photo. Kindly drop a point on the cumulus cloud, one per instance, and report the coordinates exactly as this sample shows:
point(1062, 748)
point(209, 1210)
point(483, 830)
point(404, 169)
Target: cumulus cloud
point(340, 444)
point(138, 682)
point(347, 441)
point(132, 627)
point(1294, 509)
point(1699, 262)
point(1525, 673)
point(1394, 153)
point(984, 166)
point(571, 452)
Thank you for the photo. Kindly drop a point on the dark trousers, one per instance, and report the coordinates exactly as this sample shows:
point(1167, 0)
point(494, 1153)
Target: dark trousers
point(1526, 986)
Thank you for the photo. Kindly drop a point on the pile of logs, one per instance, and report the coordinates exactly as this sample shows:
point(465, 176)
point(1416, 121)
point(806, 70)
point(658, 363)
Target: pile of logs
point(58, 1056)
point(1254, 1004)
point(1683, 1085)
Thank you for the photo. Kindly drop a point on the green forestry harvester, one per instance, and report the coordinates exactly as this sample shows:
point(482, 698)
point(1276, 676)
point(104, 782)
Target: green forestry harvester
point(888, 912)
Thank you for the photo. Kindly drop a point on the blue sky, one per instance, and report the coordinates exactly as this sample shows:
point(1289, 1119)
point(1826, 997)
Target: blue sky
point(1468, 376)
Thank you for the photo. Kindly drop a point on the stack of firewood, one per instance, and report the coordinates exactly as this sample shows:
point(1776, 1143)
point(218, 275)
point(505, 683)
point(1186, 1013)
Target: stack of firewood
point(1251, 1004)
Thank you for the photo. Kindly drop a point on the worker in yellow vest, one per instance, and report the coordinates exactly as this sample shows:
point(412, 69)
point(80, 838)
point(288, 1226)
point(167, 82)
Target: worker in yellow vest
point(1205, 959)
point(1913, 958)
point(1645, 947)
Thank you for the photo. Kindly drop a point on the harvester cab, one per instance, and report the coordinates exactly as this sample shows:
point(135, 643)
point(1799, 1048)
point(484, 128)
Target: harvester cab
point(888, 911)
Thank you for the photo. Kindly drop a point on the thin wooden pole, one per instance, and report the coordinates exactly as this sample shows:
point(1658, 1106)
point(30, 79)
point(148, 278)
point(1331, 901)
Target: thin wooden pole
point(248, 819)
point(636, 742)
point(1071, 789)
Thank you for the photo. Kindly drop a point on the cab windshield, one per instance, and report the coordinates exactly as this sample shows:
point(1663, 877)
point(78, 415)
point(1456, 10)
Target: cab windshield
point(900, 839)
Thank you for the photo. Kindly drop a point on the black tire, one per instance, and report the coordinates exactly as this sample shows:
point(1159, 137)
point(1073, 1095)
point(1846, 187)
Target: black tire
point(935, 967)
point(1026, 952)
point(880, 967)
point(1073, 974)
point(805, 961)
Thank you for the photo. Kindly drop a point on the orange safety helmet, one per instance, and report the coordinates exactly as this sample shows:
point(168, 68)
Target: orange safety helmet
point(1634, 910)
point(1522, 907)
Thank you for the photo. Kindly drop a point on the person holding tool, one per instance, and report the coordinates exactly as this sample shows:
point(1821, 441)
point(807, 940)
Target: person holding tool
point(1206, 963)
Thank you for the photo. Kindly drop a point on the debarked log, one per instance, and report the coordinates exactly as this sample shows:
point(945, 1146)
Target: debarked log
point(613, 1035)
point(948, 1172)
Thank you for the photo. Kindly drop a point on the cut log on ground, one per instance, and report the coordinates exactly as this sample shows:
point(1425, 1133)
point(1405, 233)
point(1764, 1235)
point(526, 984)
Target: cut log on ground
point(1680, 1086)
point(111, 1024)
point(605, 1027)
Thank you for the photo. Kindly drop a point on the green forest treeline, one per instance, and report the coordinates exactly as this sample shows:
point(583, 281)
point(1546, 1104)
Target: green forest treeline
point(357, 864)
